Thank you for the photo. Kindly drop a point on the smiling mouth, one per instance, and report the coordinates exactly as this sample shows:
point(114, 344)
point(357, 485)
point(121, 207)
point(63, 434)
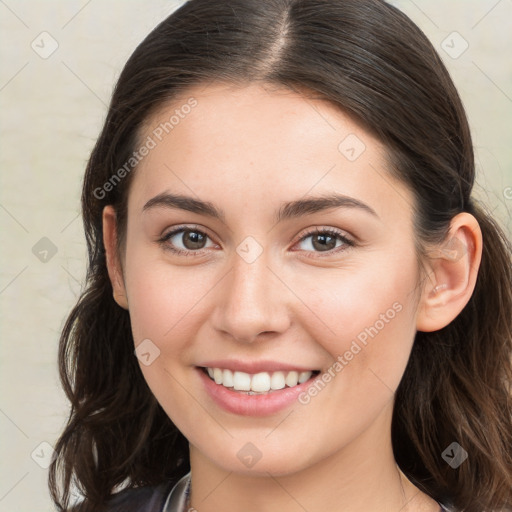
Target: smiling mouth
point(257, 383)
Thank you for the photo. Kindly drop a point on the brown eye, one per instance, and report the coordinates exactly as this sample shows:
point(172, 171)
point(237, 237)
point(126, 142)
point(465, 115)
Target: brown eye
point(193, 240)
point(326, 240)
point(186, 241)
point(323, 242)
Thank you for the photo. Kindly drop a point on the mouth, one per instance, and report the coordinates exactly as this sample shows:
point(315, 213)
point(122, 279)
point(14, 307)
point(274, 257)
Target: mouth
point(261, 383)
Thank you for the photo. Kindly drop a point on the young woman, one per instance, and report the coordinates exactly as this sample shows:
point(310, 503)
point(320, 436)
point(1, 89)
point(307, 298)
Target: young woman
point(293, 302)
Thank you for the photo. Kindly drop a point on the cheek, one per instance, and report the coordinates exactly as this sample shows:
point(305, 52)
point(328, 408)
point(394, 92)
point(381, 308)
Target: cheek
point(364, 317)
point(162, 299)
point(164, 304)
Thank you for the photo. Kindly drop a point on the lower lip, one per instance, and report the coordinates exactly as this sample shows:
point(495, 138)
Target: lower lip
point(252, 405)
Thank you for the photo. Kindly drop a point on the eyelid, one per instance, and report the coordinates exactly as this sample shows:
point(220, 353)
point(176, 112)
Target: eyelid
point(186, 227)
point(325, 229)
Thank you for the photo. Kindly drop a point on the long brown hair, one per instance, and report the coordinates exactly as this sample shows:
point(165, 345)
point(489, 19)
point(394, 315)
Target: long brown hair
point(370, 60)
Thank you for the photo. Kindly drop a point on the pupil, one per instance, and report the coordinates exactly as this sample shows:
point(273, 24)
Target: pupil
point(323, 245)
point(194, 238)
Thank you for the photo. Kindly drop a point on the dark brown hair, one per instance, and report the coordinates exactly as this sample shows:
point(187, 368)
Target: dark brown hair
point(371, 61)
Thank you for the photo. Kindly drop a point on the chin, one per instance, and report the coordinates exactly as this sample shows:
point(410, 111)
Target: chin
point(274, 464)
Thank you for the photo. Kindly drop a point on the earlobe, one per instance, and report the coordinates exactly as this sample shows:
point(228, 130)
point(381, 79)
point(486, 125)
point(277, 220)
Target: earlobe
point(453, 269)
point(114, 268)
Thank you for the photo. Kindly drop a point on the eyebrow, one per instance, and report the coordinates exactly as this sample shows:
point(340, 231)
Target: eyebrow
point(289, 210)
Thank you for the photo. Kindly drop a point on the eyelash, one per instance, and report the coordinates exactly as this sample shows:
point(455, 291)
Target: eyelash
point(316, 231)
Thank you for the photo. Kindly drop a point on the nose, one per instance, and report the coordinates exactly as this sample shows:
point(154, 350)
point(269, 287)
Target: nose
point(252, 301)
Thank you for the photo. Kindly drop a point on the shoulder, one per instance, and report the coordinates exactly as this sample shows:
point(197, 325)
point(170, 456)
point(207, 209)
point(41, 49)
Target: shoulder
point(140, 499)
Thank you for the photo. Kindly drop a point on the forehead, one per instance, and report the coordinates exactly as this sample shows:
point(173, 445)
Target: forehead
point(260, 142)
point(253, 115)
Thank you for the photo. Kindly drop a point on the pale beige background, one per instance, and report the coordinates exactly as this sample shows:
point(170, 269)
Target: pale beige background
point(52, 110)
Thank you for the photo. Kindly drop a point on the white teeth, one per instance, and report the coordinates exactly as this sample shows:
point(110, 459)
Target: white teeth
point(292, 379)
point(241, 381)
point(277, 381)
point(261, 382)
point(227, 378)
point(304, 376)
point(217, 375)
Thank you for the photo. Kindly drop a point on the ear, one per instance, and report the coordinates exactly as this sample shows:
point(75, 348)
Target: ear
point(452, 271)
point(115, 271)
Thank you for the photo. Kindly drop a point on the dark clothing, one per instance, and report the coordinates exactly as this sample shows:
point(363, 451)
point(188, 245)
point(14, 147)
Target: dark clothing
point(162, 498)
point(142, 499)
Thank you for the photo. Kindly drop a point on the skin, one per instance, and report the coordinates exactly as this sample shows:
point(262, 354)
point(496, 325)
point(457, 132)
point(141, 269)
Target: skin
point(248, 150)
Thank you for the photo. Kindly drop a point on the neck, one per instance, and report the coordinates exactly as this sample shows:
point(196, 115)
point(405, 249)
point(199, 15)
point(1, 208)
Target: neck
point(361, 477)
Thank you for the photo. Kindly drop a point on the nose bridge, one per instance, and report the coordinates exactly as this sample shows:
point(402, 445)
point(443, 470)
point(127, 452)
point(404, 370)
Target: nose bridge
point(252, 300)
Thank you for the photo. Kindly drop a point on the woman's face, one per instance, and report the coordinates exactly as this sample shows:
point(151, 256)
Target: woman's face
point(303, 258)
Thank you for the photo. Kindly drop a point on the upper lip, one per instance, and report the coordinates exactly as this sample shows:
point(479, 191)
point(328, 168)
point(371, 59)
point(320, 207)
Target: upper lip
point(255, 366)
